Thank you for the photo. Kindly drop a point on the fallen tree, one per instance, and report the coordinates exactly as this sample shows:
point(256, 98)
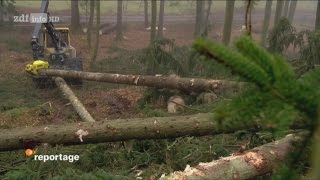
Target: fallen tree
point(252, 163)
point(170, 82)
point(77, 105)
point(110, 131)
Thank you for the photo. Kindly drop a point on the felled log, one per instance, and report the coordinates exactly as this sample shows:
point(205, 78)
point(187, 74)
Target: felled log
point(247, 165)
point(170, 82)
point(77, 105)
point(110, 131)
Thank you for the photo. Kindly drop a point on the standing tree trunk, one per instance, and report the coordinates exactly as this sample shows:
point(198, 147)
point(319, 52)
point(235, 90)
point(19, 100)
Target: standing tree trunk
point(96, 46)
point(199, 18)
point(161, 19)
point(228, 21)
point(1, 11)
point(153, 20)
point(317, 26)
point(119, 35)
point(266, 22)
point(146, 16)
point(90, 23)
point(75, 15)
point(292, 9)
point(278, 13)
point(206, 23)
point(286, 8)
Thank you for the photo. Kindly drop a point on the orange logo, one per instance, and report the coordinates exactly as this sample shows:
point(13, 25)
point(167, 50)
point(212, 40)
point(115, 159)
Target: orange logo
point(29, 152)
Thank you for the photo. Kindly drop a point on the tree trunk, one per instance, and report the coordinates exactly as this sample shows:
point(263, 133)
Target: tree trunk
point(110, 131)
point(77, 105)
point(146, 16)
point(96, 46)
point(75, 15)
point(90, 23)
point(161, 19)
point(227, 28)
point(292, 9)
point(199, 18)
point(317, 26)
point(185, 84)
point(278, 13)
point(207, 23)
point(1, 11)
point(119, 35)
point(266, 22)
point(153, 20)
point(286, 8)
point(247, 165)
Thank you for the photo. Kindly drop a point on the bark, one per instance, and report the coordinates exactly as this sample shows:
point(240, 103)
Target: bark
point(119, 35)
point(96, 46)
point(292, 9)
point(205, 33)
point(170, 82)
point(146, 16)
point(248, 17)
point(247, 165)
point(199, 18)
point(266, 22)
point(77, 105)
point(286, 8)
point(1, 11)
point(278, 12)
point(90, 23)
point(75, 15)
point(110, 131)
point(153, 20)
point(161, 19)
point(228, 21)
point(317, 26)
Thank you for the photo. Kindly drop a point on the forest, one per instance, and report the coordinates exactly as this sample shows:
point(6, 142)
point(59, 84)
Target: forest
point(159, 89)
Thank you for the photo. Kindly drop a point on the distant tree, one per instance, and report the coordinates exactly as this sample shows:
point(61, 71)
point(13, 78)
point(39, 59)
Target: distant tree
point(146, 16)
point(96, 46)
point(206, 23)
point(292, 9)
point(161, 19)
point(278, 13)
point(6, 8)
point(266, 21)
point(119, 35)
point(75, 15)
point(285, 8)
point(228, 21)
point(317, 26)
point(199, 18)
point(1, 11)
point(153, 20)
point(90, 23)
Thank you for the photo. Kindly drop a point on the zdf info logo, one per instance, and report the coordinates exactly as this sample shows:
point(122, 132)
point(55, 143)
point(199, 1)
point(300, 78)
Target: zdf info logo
point(51, 157)
point(35, 18)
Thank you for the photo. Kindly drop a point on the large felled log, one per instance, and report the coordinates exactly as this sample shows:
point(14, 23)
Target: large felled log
point(171, 82)
point(77, 105)
point(255, 162)
point(110, 131)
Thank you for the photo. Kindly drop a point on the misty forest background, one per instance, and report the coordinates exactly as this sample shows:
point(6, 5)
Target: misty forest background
point(274, 45)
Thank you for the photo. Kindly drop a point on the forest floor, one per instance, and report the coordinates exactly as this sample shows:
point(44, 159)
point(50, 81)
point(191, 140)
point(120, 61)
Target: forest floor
point(23, 105)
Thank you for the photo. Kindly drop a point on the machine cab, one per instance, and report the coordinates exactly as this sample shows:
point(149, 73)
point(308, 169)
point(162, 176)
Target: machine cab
point(63, 34)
